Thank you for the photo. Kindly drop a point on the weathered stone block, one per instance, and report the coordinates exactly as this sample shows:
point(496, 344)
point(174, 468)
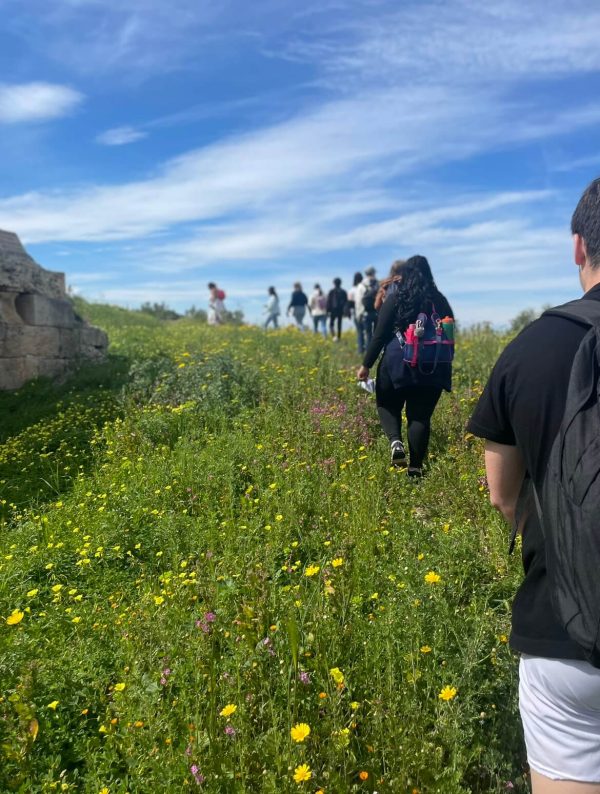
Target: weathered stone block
point(40, 334)
point(8, 312)
point(20, 273)
point(40, 310)
point(28, 340)
point(94, 342)
point(42, 342)
point(69, 342)
point(12, 373)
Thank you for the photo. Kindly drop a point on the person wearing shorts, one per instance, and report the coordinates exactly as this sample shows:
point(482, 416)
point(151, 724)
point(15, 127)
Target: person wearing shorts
point(519, 415)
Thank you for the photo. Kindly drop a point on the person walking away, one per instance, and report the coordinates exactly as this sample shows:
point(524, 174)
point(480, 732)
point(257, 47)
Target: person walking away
point(400, 385)
point(336, 306)
point(216, 305)
point(318, 308)
point(272, 309)
point(351, 313)
point(298, 304)
point(538, 415)
point(365, 311)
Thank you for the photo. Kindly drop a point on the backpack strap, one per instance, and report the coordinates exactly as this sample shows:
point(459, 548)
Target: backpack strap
point(583, 310)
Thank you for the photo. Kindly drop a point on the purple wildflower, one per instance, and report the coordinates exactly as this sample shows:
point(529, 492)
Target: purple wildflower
point(198, 776)
point(230, 730)
point(304, 678)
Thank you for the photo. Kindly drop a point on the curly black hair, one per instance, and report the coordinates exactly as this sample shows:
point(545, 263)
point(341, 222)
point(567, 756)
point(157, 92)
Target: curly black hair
point(415, 291)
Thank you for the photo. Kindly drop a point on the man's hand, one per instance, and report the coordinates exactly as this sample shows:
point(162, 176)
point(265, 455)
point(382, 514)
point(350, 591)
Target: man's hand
point(505, 470)
point(363, 373)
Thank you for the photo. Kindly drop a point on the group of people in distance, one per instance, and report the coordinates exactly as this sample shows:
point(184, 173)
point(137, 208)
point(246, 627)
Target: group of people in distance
point(329, 310)
point(382, 312)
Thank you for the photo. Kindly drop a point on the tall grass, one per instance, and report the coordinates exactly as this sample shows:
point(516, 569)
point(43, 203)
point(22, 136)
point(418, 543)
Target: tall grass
point(213, 549)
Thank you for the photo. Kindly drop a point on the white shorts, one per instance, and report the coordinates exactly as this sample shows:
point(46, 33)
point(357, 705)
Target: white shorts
point(559, 700)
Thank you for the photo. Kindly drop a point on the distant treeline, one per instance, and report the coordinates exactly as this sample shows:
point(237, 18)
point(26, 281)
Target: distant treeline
point(163, 312)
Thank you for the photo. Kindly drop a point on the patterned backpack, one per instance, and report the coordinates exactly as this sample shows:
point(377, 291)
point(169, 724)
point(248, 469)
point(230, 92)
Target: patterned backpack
point(428, 341)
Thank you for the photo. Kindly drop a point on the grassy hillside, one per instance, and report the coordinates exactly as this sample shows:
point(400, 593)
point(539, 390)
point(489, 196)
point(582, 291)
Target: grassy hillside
point(204, 547)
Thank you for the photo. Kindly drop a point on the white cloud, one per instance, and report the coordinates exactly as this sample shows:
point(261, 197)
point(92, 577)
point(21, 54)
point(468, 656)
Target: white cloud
point(342, 149)
point(462, 41)
point(119, 136)
point(27, 102)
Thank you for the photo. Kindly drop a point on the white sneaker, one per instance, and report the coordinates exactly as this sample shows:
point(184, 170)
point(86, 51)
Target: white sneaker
point(398, 454)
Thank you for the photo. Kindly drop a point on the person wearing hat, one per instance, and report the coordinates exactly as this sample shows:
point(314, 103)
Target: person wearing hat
point(365, 312)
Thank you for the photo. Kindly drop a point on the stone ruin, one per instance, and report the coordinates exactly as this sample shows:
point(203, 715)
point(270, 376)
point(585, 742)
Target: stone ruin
point(40, 333)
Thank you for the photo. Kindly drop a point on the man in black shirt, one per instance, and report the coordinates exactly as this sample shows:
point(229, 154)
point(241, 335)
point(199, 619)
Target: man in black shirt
point(519, 415)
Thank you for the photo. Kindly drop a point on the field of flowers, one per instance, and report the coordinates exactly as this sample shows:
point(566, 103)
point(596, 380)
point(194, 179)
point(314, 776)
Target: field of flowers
point(211, 580)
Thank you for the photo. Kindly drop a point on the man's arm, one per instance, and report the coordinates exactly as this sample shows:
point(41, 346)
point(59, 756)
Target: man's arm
point(505, 469)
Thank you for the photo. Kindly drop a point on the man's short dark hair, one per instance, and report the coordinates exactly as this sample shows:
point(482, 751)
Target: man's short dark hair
point(586, 221)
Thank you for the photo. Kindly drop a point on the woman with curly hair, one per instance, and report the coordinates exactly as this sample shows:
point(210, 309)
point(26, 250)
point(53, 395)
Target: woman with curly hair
point(410, 290)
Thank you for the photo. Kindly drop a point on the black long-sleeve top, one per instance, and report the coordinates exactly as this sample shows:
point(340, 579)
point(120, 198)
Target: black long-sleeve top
point(385, 330)
point(298, 299)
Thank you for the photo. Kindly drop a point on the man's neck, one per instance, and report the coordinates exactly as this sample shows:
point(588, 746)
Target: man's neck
point(589, 278)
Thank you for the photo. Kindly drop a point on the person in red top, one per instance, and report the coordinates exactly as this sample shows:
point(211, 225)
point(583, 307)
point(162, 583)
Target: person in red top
point(216, 307)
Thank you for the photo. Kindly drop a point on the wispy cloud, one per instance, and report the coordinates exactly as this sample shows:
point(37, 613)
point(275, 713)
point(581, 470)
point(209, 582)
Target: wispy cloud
point(29, 102)
point(119, 136)
point(344, 147)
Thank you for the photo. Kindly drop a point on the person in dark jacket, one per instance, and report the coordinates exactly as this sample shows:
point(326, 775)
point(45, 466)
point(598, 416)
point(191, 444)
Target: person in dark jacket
point(399, 386)
point(298, 305)
point(336, 306)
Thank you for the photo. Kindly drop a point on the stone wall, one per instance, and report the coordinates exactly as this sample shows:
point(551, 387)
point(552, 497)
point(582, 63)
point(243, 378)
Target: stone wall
point(40, 333)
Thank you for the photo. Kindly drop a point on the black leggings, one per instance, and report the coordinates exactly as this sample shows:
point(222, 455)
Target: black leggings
point(335, 318)
point(420, 402)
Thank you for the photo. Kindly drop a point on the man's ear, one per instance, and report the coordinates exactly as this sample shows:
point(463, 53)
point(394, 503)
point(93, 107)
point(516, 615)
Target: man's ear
point(579, 250)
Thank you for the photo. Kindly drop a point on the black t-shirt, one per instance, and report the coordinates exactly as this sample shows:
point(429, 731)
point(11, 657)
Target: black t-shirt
point(522, 405)
point(385, 331)
point(336, 301)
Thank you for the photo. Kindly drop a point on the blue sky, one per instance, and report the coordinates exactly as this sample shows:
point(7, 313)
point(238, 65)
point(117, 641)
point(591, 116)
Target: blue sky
point(148, 148)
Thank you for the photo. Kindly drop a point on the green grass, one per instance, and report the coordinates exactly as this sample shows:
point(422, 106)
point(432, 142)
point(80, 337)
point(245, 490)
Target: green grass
point(217, 503)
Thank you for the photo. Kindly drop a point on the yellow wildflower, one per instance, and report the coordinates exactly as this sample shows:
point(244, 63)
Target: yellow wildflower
point(16, 616)
point(312, 570)
point(425, 649)
point(337, 562)
point(432, 577)
point(33, 593)
point(337, 675)
point(53, 705)
point(158, 600)
point(302, 773)
point(447, 693)
point(228, 710)
point(119, 687)
point(300, 732)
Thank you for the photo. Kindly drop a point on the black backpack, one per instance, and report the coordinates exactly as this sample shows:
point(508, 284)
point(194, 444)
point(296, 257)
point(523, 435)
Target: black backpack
point(568, 504)
point(370, 293)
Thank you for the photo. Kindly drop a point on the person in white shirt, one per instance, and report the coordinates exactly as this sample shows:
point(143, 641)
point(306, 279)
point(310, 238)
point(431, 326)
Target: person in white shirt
point(360, 334)
point(318, 308)
point(272, 309)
